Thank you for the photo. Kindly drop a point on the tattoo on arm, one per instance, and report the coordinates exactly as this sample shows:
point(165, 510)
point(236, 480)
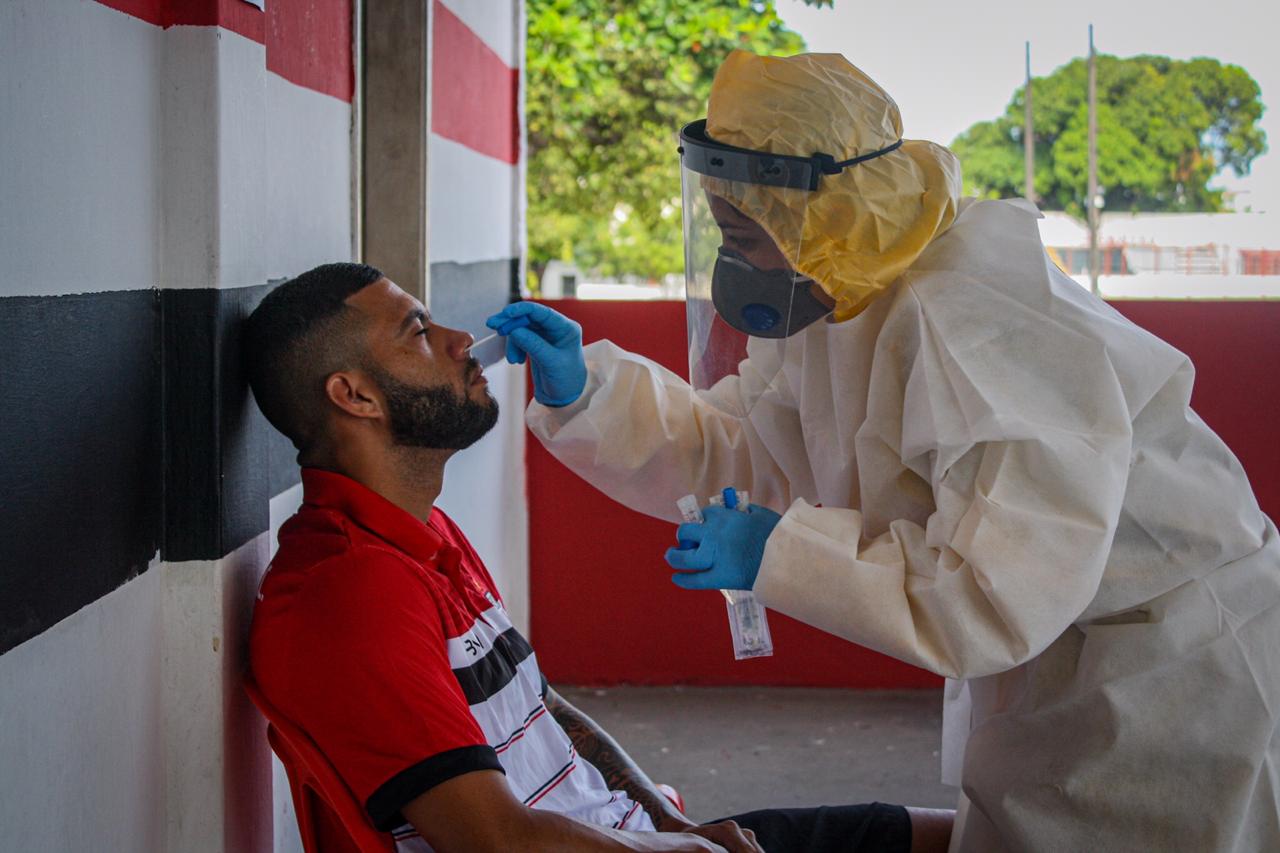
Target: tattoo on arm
point(620, 772)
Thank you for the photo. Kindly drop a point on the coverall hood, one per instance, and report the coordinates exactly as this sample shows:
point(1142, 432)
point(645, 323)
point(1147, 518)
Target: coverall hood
point(861, 228)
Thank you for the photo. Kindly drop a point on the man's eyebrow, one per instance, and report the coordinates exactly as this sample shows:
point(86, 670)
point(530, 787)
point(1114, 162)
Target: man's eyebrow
point(416, 314)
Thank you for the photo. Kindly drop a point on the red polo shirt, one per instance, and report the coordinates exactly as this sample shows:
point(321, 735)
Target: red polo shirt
point(349, 641)
point(384, 639)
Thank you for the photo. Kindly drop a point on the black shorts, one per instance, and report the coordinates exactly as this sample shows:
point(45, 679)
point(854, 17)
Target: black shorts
point(866, 828)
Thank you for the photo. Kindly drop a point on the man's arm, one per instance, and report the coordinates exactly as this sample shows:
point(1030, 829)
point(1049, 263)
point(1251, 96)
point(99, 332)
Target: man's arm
point(620, 772)
point(477, 813)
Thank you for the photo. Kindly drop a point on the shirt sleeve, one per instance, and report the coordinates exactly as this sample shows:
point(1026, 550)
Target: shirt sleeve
point(370, 682)
point(642, 435)
point(1014, 438)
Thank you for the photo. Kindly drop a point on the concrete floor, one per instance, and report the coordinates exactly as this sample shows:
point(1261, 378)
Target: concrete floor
point(734, 749)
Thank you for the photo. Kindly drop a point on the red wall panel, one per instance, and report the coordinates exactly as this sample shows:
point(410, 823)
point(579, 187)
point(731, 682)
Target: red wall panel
point(473, 92)
point(308, 42)
point(234, 15)
point(604, 610)
point(1235, 347)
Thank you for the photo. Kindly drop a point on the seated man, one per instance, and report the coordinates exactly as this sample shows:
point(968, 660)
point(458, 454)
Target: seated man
point(379, 632)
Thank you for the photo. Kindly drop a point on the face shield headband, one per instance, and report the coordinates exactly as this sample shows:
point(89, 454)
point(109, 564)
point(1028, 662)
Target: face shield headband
point(702, 154)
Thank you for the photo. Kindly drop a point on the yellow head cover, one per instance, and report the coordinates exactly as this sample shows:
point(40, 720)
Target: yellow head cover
point(861, 228)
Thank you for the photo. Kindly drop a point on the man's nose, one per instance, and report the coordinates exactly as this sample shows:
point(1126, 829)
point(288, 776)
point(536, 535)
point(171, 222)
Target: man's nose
point(458, 344)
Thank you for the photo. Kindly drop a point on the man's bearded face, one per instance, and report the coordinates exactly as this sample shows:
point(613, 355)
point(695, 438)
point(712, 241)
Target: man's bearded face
point(436, 416)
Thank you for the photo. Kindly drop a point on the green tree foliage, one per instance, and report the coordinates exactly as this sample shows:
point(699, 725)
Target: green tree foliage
point(609, 84)
point(1165, 128)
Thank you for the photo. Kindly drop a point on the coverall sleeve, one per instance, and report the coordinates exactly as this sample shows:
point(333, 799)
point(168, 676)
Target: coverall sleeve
point(640, 434)
point(1018, 425)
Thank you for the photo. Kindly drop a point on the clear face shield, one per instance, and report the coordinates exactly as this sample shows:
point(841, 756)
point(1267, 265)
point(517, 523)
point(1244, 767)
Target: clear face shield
point(744, 217)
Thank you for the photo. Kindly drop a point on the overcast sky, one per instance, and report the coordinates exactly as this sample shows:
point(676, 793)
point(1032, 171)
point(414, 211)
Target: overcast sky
point(950, 64)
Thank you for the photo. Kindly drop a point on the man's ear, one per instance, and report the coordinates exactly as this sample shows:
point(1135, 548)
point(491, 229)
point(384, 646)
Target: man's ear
point(354, 393)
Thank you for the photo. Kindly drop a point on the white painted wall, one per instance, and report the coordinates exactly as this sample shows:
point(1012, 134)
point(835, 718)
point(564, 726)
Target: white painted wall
point(123, 726)
point(80, 137)
point(212, 159)
point(307, 208)
point(472, 199)
point(81, 729)
point(133, 157)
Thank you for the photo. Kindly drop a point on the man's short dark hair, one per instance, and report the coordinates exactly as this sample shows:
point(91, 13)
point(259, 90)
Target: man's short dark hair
point(300, 334)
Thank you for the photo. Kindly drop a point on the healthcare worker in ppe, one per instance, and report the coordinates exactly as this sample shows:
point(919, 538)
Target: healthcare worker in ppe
point(959, 458)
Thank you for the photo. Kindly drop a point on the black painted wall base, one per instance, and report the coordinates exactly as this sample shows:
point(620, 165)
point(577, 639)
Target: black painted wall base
point(128, 432)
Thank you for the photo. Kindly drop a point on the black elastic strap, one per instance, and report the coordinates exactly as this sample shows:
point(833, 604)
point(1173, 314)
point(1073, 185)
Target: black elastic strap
point(829, 166)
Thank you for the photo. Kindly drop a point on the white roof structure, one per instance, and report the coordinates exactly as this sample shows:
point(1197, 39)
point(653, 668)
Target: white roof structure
point(1061, 229)
point(1174, 286)
point(1237, 230)
point(1234, 230)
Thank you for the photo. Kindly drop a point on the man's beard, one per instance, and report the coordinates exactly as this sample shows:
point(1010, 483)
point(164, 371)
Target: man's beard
point(435, 416)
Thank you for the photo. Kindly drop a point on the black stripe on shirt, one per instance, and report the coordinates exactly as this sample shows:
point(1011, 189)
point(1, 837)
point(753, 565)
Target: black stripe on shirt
point(494, 671)
point(384, 804)
point(556, 778)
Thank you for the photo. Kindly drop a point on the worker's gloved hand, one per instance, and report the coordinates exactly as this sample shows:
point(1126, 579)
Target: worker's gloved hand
point(724, 551)
point(553, 341)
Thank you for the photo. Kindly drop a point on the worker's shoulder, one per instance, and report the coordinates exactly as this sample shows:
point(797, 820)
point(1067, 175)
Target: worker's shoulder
point(992, 253)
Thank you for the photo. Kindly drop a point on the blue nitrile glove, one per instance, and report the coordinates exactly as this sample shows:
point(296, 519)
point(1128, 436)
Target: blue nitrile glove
point(555, 344)
point(724, 552)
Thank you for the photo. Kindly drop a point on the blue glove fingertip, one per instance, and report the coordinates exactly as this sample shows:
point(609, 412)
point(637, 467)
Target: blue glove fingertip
point(675, 558)
point(692, 580)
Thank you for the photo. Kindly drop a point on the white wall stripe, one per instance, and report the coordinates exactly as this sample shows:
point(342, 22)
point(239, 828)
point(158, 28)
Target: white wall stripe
point(214, 796)
point(78, 148)
point(472, 204)
point(113, 189)
point(308, 180)
point(213, 159)
point(82, 702)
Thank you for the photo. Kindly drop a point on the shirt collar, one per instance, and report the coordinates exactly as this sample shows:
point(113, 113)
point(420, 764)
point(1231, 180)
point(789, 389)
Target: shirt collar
point(373, 512)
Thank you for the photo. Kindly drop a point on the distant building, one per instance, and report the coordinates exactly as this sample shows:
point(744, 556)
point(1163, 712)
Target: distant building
point(1172, 255)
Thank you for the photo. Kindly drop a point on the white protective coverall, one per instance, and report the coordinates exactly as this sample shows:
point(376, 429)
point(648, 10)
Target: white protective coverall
point(1014, 494)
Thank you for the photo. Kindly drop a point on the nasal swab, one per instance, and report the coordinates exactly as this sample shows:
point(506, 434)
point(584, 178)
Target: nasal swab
point(511, 326)
point(483, 340)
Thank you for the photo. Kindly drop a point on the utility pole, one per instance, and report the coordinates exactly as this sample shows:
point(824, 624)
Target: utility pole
point(1092, 202)
point(1028, 138)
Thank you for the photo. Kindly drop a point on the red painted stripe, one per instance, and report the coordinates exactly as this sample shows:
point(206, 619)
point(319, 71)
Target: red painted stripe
point(308, 41)
point(235, 15)
point(473, 92)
